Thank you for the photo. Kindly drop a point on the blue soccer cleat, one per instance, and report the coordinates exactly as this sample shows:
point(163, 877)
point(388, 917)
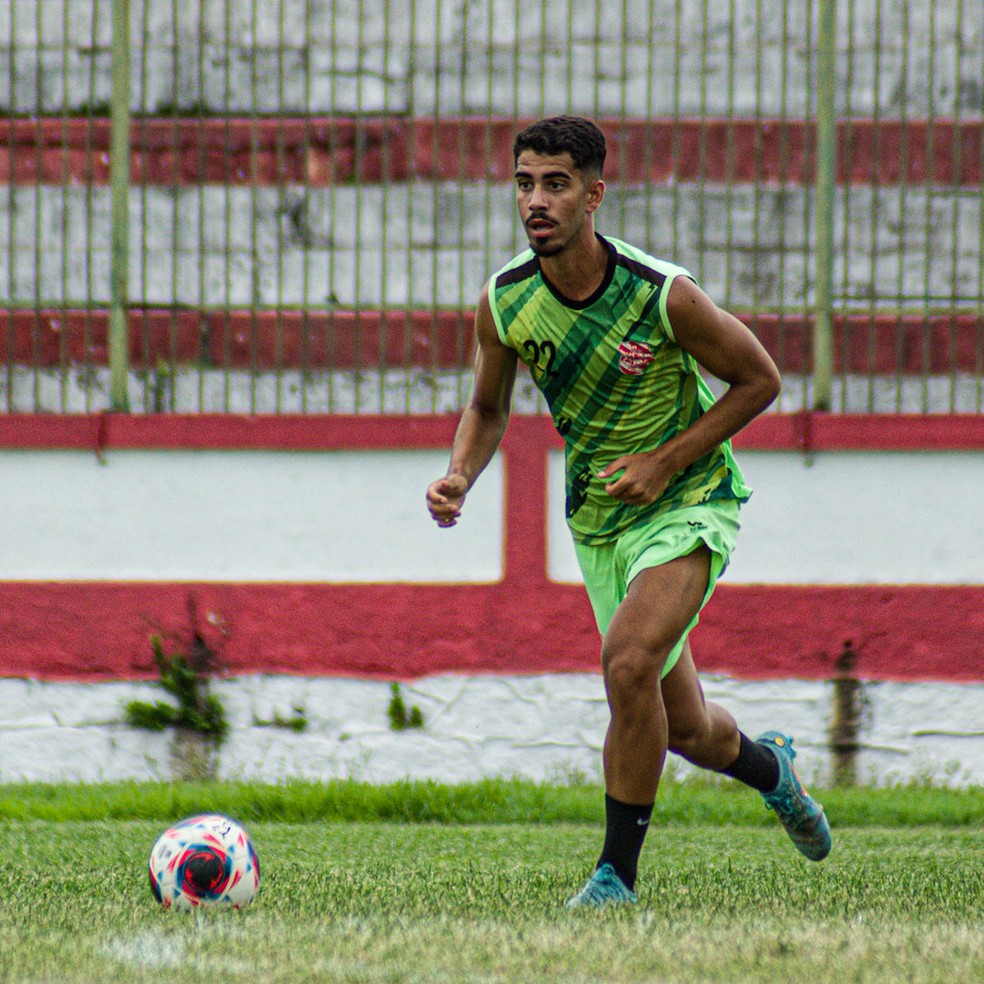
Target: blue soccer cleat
point(603, 888)
point(802, 817)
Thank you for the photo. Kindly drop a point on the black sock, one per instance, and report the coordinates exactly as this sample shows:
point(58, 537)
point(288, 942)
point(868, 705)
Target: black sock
point(625, 830)
point(755, 766)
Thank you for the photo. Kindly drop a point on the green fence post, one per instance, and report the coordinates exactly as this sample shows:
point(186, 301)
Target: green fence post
point(825, 190)
point(119, 179)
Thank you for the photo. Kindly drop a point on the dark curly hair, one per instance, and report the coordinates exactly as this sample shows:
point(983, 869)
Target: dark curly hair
point(576, 135)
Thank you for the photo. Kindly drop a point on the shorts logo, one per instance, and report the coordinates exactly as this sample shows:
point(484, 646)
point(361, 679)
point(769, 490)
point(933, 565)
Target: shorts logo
point(634, 357)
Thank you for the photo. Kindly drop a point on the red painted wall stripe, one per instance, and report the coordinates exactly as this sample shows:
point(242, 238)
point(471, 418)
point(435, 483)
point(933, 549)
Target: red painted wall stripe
point(323, 151)
point(240, 339)
point(524, 624)
point(379, 339)
point(88, 631)
point(535, 435)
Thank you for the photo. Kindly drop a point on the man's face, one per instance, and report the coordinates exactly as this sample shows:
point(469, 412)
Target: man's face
point(555, 200)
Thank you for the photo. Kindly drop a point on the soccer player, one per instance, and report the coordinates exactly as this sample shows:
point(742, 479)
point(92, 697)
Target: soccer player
point(613, 338)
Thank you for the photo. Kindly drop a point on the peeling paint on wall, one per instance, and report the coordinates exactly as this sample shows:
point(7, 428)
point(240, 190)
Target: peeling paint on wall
point(544, 728)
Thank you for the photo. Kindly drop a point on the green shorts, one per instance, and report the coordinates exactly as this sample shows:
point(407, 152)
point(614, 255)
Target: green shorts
point(609, 568)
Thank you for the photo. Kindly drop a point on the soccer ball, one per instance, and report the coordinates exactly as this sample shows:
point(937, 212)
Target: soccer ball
point(206, 860)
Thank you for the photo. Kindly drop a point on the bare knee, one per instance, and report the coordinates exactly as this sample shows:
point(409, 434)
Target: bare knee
point(706, 736)
point(631, 674)
point(689, 736)
point(687, 742)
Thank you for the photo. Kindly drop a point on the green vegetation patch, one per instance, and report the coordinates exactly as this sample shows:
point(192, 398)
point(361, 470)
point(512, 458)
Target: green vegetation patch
point(494, 801)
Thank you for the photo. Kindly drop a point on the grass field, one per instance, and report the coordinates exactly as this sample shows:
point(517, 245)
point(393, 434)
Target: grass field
point(418, 882)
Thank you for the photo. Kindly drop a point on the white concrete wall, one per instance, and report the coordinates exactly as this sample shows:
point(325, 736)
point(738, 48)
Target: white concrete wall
point(838, 518)
point(239, 516)
point(446, 56)
point(750, 247)
point(542, 728)
point(195, 389)
point(847, 517)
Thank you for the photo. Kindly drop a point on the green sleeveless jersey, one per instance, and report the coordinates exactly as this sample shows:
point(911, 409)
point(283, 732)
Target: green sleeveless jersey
point(615, 380)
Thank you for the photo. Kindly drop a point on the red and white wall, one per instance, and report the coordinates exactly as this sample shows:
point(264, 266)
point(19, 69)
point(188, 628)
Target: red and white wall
point(300, 549)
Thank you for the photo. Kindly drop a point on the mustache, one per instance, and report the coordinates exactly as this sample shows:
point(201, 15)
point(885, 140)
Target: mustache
point(540, 217)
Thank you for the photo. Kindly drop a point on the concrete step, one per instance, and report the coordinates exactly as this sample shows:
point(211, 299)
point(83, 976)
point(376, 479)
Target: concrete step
point(414, 391)
point(434, 245)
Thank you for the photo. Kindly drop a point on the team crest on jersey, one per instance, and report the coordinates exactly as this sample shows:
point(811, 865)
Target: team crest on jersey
point(634, 357)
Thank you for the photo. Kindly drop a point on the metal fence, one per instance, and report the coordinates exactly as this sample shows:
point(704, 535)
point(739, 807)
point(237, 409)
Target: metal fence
point(291, 205)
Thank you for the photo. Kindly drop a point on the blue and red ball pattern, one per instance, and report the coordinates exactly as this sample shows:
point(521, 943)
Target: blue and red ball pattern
point(205, 860)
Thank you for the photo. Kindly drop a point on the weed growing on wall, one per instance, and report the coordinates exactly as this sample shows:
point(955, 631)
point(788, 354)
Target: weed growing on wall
point(399, 717)
point(297, 721)
point(197, 716)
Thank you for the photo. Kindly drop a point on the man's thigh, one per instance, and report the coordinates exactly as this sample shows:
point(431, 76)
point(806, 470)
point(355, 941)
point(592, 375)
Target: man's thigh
point(612, 568)
point(661, 603)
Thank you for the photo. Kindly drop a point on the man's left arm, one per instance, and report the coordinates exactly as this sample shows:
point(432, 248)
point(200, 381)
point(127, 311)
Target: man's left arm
point(727, 349)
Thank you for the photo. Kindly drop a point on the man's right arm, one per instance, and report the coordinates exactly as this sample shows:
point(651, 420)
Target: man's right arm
point(483, 422)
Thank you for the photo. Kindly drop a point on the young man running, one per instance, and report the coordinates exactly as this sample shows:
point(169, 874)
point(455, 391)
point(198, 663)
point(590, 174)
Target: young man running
point(613, 338)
